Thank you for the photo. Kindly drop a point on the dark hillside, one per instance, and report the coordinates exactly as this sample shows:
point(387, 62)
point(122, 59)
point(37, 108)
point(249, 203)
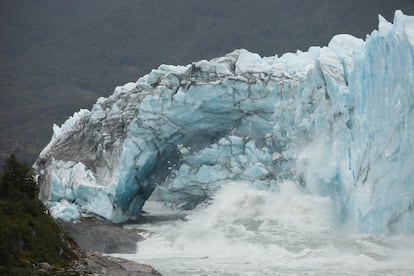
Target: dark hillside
point(57, 56)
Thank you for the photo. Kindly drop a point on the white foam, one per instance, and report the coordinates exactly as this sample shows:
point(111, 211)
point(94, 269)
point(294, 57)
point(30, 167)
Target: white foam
point(246, 231)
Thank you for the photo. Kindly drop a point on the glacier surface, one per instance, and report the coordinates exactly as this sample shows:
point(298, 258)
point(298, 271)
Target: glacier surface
point(338, 121)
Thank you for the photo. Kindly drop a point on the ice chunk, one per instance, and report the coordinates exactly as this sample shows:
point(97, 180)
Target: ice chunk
point(65, 211)
point(250, 63)
point(125, 88)
point(344, 43)
point(384, 27)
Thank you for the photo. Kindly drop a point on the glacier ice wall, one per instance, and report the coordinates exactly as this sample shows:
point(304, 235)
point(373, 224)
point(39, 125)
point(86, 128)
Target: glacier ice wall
point(335, 120)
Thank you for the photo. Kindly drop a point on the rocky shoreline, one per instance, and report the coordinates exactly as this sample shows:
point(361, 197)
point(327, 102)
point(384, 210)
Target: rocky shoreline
point(101, 236)
point(95, 238)
point(93, 263)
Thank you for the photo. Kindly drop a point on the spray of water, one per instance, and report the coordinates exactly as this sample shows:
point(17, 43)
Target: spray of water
point(246, 231)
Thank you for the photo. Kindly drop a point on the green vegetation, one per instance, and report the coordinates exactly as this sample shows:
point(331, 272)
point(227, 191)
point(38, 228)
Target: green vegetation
point(28, 236)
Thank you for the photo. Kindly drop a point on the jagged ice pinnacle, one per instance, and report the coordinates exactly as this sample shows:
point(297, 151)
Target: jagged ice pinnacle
point(336, 120)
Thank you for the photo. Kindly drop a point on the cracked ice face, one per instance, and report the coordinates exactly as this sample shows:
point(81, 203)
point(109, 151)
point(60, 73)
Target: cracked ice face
point(334, 120)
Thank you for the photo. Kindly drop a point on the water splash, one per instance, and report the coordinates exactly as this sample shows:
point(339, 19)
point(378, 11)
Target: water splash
point(247, 231)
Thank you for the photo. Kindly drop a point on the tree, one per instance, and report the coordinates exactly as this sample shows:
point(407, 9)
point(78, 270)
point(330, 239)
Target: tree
point(17, 181)
point(28, 235)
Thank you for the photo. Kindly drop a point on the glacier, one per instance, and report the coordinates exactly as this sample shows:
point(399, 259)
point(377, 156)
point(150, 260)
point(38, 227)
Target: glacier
point(337, 121)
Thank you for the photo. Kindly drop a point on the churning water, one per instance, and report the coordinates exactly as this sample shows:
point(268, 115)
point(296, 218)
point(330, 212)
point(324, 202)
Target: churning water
point(246, 231)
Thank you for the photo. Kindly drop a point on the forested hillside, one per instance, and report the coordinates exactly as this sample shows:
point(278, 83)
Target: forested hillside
point(28, 235)
point(57, 56)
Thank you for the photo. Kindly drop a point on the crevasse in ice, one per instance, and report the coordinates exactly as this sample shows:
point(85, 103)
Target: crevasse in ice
point(337, 120)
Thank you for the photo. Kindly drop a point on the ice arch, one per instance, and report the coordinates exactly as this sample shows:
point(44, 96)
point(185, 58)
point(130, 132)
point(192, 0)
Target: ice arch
point(336, 120)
